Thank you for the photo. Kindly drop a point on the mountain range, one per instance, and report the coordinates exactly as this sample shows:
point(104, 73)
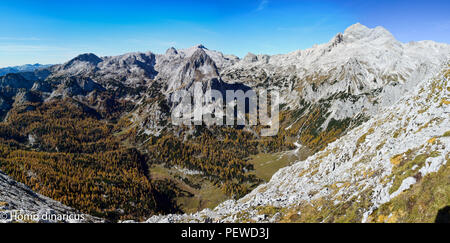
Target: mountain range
point(364, 119)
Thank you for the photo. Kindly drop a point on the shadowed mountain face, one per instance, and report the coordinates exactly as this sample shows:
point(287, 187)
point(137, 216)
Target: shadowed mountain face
point(125, 102)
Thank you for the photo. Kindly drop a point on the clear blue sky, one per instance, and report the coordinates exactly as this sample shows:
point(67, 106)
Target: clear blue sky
point(50, 31)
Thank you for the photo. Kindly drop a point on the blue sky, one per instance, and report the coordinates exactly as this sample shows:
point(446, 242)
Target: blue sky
point(50, 31)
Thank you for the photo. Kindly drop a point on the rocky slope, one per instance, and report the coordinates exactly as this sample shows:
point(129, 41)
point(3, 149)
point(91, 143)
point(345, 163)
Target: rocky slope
point(352, 77)
point(17, 202)
point(401, 150)
point(327, 91)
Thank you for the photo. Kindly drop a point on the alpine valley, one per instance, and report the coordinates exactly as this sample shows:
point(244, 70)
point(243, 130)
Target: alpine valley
point(364, 136)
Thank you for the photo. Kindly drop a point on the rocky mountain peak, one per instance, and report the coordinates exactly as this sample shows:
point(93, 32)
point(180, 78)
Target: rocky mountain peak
point(201, 61)
point(15, 81)
point(359, 32)
point(250, 57)
point(171, 51)
point(83, 63)
point(200, 46)
point(191, 50)
point(200, 55)
point(87, 57)
point(23, 68)
point(358, 27)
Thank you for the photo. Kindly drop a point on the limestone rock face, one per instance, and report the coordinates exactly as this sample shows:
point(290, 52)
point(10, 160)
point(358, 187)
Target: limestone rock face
point(16, 198)
point(369, 167)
